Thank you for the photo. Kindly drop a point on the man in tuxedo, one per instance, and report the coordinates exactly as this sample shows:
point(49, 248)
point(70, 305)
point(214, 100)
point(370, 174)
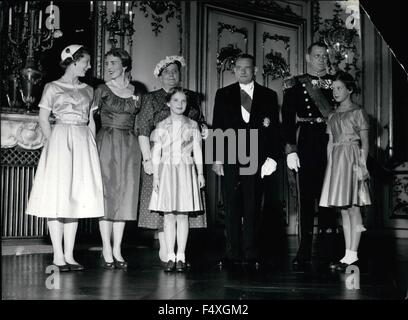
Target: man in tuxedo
point(307, 101)
point(250, 112)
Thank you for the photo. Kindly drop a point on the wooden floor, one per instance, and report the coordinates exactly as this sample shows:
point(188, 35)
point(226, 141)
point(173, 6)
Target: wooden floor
point(383, 275)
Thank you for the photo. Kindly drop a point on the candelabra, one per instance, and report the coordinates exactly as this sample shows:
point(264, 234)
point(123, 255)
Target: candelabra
point(342, 40)
point(26, 32)
point(120, 22)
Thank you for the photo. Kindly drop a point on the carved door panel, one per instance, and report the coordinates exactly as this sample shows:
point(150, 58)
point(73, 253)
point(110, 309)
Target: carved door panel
point(279, 55)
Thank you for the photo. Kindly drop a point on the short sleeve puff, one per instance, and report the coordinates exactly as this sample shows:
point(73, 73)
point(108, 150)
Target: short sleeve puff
point(158, 133)
point(362, 120)
point(47, 98)
point(193, 106)
point(196, 131)
point(97, 98)
point(145, 116)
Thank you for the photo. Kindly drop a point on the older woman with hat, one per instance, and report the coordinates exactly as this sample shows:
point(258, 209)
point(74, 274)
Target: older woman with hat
point(154, 110)
point(68, 182)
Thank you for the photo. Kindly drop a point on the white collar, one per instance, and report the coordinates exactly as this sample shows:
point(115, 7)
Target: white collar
point(248, 86)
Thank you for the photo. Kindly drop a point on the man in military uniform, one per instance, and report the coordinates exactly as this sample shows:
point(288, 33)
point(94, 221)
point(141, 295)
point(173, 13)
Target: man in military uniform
point(307, 102)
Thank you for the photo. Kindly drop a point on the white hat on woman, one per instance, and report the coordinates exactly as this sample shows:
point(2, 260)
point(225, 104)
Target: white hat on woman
point(69, 51)
point(163, 64)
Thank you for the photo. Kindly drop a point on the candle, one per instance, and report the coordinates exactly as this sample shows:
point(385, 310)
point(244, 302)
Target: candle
point(114, 6)
point(130, 15)
point(104, 3)
point(119, 4)
point(40, 20)
point(26, 7)
point(10, 16)
point(51, 7)
point(127, 8)
point(91, 5)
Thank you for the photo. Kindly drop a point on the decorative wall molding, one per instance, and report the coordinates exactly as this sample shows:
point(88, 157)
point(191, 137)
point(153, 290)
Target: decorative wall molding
point(400, 192)
point(232, 29)
point(274, 64)
point(260, 7)
point(273, 7)
point(100, 34)
point(316, 18)
point(21, 130)
point(276, 37)
point(159, 10)
point(227, 55)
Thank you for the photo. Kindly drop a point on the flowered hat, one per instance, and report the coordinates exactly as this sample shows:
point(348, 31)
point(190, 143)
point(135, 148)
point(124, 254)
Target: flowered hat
point(69, 51)
point(163, 64)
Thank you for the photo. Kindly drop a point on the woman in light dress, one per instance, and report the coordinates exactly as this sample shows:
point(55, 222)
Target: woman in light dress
point(68, 182)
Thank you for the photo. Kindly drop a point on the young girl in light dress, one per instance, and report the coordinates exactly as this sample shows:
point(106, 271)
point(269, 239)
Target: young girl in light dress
point(346, 179)
point(177, 176)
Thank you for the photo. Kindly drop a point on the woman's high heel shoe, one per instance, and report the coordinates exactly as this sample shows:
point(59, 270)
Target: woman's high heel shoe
point(75, 267)
point(106, 265)
point(62, 268)
point(120, 264)
point(170, 266)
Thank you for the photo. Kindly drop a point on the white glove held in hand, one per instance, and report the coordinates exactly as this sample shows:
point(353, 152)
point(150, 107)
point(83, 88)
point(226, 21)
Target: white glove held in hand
point(292, 160)
point(217, 167)
point(268, 167)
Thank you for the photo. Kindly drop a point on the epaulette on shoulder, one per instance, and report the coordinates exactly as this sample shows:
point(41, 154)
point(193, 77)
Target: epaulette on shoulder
point(289, 83)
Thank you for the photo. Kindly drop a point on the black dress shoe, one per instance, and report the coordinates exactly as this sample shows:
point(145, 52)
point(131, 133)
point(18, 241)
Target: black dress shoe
point(170, 266)
point(181, 266)
point(120, 264)
point(106, 265)
point(62, 268)
point(75, 267)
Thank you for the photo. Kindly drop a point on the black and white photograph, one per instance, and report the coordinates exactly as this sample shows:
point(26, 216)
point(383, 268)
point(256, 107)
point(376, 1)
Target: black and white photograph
point(204, 157)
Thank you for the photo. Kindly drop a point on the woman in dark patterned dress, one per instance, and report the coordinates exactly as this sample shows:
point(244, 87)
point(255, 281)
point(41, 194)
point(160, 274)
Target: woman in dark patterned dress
point(120, 154)
point(154, 110)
